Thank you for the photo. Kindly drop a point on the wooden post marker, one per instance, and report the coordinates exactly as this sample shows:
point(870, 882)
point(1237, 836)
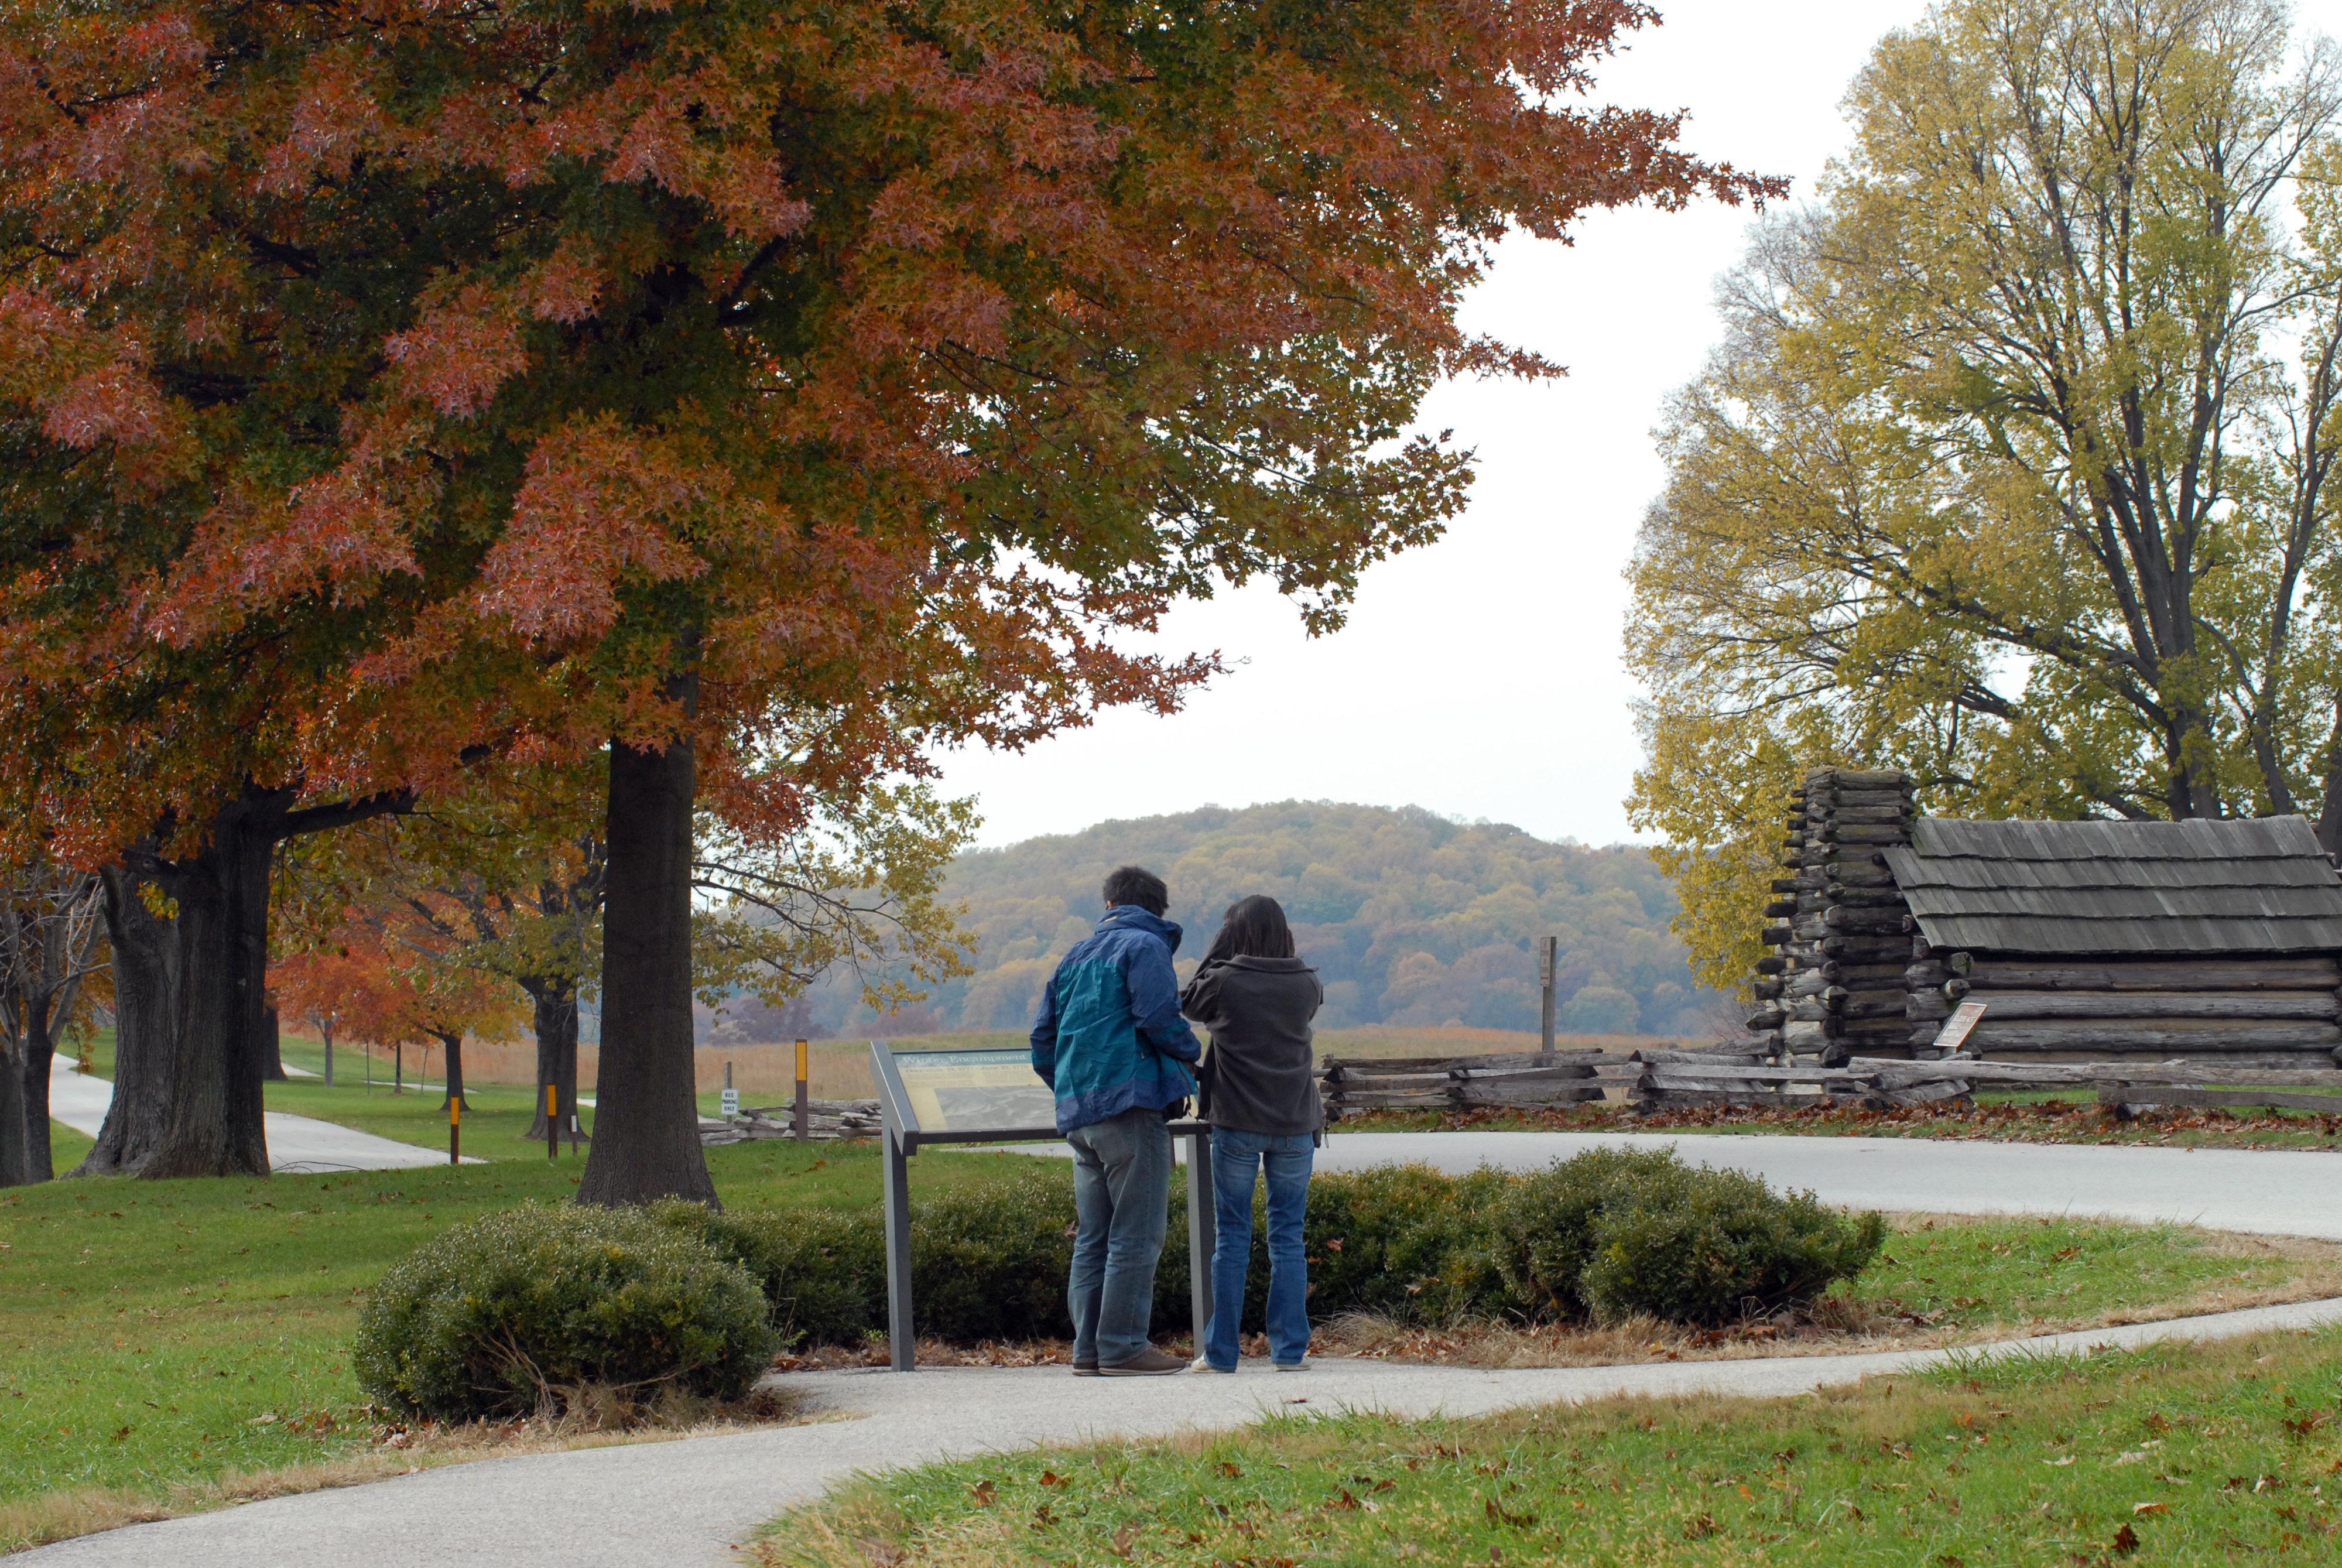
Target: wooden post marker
point(553, 1120)
point(1547, 955)
point(801, 1119)
point(454, 1130)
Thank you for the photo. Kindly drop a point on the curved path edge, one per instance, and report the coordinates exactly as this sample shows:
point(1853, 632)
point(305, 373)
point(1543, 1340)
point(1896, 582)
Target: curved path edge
point(693, 1500)
point(297, 1145)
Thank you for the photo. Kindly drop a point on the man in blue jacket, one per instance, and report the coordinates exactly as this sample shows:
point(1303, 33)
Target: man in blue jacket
point(1111, 1043)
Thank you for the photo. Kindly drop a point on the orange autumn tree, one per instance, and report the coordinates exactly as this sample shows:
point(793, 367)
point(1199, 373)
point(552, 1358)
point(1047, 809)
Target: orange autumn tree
point(764, 393)
point(391, 976)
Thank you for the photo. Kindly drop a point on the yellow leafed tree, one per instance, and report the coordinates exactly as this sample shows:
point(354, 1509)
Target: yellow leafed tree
point(2013, 467)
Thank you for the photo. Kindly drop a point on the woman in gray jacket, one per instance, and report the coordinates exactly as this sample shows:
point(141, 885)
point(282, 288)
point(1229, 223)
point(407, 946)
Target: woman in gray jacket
point(1259, 1089)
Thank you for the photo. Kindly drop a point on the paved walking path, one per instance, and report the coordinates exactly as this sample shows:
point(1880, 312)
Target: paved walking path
point(686, 1503)
point(296, 1144)
point(2271, 1192)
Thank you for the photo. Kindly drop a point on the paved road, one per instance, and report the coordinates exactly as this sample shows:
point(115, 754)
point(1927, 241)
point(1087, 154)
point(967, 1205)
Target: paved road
point(296, 1144)
point(2271, 1192)
point(686, 1503)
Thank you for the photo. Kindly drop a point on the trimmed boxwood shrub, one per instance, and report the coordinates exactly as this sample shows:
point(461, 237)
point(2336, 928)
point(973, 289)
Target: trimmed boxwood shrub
point(1402, 1240)
point(1543, 1234)
point(518, 1311)
point(1712, 1246)
point(501, 1316)
point(989, 1260)
point(823, 1273)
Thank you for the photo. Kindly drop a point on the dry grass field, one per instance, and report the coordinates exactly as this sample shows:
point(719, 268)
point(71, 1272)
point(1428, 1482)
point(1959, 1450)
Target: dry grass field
point(840, 1069)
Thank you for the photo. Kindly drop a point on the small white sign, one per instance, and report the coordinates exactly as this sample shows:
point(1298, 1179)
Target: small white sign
point(731, 1101)
point(1955, 1032)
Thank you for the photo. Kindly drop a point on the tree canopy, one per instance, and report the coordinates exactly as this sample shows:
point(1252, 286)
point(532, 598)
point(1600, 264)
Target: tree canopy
point(754, 394)
point(2013, 469)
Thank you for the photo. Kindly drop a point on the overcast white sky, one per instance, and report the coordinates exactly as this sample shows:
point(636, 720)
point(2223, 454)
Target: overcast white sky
point(1481, 677)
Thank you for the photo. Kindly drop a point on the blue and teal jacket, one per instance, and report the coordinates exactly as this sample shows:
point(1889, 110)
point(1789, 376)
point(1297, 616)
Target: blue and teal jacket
point(1109, 1035)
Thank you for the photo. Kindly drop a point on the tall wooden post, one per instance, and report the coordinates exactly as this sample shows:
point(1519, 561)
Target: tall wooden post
point(1547, 951)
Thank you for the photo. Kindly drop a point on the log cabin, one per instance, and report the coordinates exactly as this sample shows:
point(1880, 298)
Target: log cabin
point(2086, 941)
point(2106, 940)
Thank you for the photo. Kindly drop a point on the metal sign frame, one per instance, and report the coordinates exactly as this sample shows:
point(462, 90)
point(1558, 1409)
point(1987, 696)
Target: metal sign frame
point(902, 1137)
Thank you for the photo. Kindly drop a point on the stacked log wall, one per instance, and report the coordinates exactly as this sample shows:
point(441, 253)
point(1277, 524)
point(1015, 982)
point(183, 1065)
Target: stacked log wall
point(2276, 1010)
point(1836, 982)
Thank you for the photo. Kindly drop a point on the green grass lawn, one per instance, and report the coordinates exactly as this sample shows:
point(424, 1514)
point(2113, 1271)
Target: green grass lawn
point(2175, 1453)
point(156, 1334)
point(2008, 1275)
point(495, 1126)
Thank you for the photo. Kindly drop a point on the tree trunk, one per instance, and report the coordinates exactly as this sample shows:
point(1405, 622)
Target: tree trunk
point(646, 1120)
point(452, 1046)
point(2329, 811)
point(214, 1125)
point(13, 1166)
point(145, 984)
point(36, 1052)
point(556, 1051)
point(326, 1033)
point(271, 1044)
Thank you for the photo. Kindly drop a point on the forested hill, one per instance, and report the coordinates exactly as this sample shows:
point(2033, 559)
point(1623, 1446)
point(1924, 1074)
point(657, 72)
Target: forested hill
point(1409, 918)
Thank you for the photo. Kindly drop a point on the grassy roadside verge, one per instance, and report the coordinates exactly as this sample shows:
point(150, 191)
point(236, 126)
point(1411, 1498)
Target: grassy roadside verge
point(2171, 1454)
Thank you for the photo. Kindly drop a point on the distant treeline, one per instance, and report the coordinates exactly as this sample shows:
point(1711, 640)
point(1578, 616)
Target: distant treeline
point(1409, 919)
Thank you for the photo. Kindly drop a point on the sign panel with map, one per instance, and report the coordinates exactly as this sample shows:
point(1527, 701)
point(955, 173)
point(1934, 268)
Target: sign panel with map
point(986, 1092)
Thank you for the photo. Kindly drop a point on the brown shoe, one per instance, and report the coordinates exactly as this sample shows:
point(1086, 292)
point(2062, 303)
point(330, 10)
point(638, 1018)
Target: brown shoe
point(1147, 1362)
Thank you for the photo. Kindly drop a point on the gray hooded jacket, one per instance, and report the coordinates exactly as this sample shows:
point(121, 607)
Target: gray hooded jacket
point(1260, 1076)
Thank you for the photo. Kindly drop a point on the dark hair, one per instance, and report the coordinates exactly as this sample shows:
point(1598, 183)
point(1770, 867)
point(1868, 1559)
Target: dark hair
point(1253, 928)
point(1135, 884)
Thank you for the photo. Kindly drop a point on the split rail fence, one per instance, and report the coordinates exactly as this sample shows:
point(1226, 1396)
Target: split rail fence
point(825, 1120)
point(1665, 1080)
point(1661, 1080)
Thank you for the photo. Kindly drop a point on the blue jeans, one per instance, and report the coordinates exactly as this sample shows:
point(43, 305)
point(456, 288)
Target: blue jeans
point(1237, 1159)
point(1122, 1198)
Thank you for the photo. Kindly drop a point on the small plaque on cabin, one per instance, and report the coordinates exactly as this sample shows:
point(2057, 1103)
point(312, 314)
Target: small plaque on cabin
point(1955, 1032)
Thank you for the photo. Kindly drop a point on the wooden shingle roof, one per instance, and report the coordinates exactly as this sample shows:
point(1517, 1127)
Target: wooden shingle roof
point(2254, 885)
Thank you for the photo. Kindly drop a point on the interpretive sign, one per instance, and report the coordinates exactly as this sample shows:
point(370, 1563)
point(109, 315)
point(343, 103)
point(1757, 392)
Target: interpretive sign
point(1955, 1032)
point(995, 1092)
point(993, 1096)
